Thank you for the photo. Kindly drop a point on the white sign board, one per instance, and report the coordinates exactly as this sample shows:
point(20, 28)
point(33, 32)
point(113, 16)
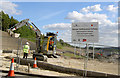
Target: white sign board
point(85, 32)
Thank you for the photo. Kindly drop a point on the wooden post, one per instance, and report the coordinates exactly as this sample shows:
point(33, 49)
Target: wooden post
point(28, 67)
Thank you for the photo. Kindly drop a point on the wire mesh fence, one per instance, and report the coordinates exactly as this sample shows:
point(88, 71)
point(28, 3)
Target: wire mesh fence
point(72, 57)
point(10, 43)
point(97, 57)
point(76, 51)
point(100, 52)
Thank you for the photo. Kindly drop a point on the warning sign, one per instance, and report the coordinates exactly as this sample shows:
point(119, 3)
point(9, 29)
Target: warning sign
point(85, 32)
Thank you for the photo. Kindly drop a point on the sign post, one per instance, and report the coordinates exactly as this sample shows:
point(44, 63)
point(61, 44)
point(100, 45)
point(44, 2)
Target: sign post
point(87, 54)
point(80, 50)
point(75, 50)
point(93, 51)
point(86, 32)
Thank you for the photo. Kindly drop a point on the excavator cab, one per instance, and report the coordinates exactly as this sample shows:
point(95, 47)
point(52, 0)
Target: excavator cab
point(49, 44)
point(48, 48)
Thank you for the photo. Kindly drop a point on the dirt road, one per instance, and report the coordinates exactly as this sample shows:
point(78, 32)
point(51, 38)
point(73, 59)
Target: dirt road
point(92, 65)
point(5, 64)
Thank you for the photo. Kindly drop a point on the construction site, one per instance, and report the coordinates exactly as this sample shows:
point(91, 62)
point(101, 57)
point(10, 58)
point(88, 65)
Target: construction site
point(59, 39)
point(43, 61)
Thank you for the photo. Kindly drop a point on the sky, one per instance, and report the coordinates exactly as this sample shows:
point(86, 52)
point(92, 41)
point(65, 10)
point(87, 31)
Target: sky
point(58, 17)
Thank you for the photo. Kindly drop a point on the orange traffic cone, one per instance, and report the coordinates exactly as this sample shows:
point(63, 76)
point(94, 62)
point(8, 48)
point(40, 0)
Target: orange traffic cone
point(35, 64)
point(11, 71)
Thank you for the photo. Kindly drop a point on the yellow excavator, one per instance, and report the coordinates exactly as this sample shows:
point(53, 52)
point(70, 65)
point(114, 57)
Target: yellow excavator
point(45, 47)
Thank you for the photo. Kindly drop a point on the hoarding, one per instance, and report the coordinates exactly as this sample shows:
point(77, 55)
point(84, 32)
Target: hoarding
point(85, 32)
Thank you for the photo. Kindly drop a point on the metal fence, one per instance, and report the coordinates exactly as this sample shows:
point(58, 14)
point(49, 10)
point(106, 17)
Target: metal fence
point(88, 52)
point(75, 56)
point(10, 43)
point(77, 50)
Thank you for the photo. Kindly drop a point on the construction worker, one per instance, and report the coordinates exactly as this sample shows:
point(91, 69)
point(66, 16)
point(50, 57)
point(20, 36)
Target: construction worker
point(26, 50)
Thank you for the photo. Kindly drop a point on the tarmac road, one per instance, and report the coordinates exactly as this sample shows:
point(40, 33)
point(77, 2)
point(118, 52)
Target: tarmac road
point(4, 74)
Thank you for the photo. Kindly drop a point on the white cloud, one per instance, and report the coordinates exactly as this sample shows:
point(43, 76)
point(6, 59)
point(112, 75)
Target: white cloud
point(90, 17)
point(112, 8)
point(92, 8)
point(108, 31)
point(65, 35)
point(9, 7)
point(107, 40)
point(58, 26)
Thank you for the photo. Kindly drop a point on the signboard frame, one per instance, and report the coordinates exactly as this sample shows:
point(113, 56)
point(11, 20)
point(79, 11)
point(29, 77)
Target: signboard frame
point(85, 32)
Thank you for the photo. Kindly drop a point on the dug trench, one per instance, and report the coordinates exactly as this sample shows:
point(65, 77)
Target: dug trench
point(47, 66)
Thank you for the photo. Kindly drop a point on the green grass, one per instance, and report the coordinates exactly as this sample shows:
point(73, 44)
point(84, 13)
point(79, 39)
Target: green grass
point(72, 55)
point(59, 46)
point(68, 49)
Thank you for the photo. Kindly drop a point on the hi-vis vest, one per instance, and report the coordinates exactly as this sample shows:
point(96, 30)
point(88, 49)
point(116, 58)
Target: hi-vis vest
point(25, 48)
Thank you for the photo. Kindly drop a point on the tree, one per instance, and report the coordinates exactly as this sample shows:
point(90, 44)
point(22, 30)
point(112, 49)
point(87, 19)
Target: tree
point(62, 42)
point(5, 21)
point(12, 22)
point(0, 20)
point(25, 32)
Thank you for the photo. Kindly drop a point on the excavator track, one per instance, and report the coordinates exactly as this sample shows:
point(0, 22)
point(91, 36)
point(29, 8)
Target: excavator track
point(40, 57)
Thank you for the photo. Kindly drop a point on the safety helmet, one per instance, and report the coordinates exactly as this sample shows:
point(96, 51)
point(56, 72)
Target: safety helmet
point(27, 43)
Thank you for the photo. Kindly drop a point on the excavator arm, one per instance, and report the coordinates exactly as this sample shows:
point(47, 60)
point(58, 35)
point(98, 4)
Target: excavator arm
point(26, 22)
point(33, 27)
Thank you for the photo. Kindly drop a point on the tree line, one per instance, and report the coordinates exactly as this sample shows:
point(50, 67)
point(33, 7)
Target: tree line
point(8, 22)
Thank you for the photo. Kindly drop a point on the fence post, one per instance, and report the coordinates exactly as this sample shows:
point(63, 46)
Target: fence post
point(93, 51)
point(85, 61)
point(17, 61)
point(28, 67)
